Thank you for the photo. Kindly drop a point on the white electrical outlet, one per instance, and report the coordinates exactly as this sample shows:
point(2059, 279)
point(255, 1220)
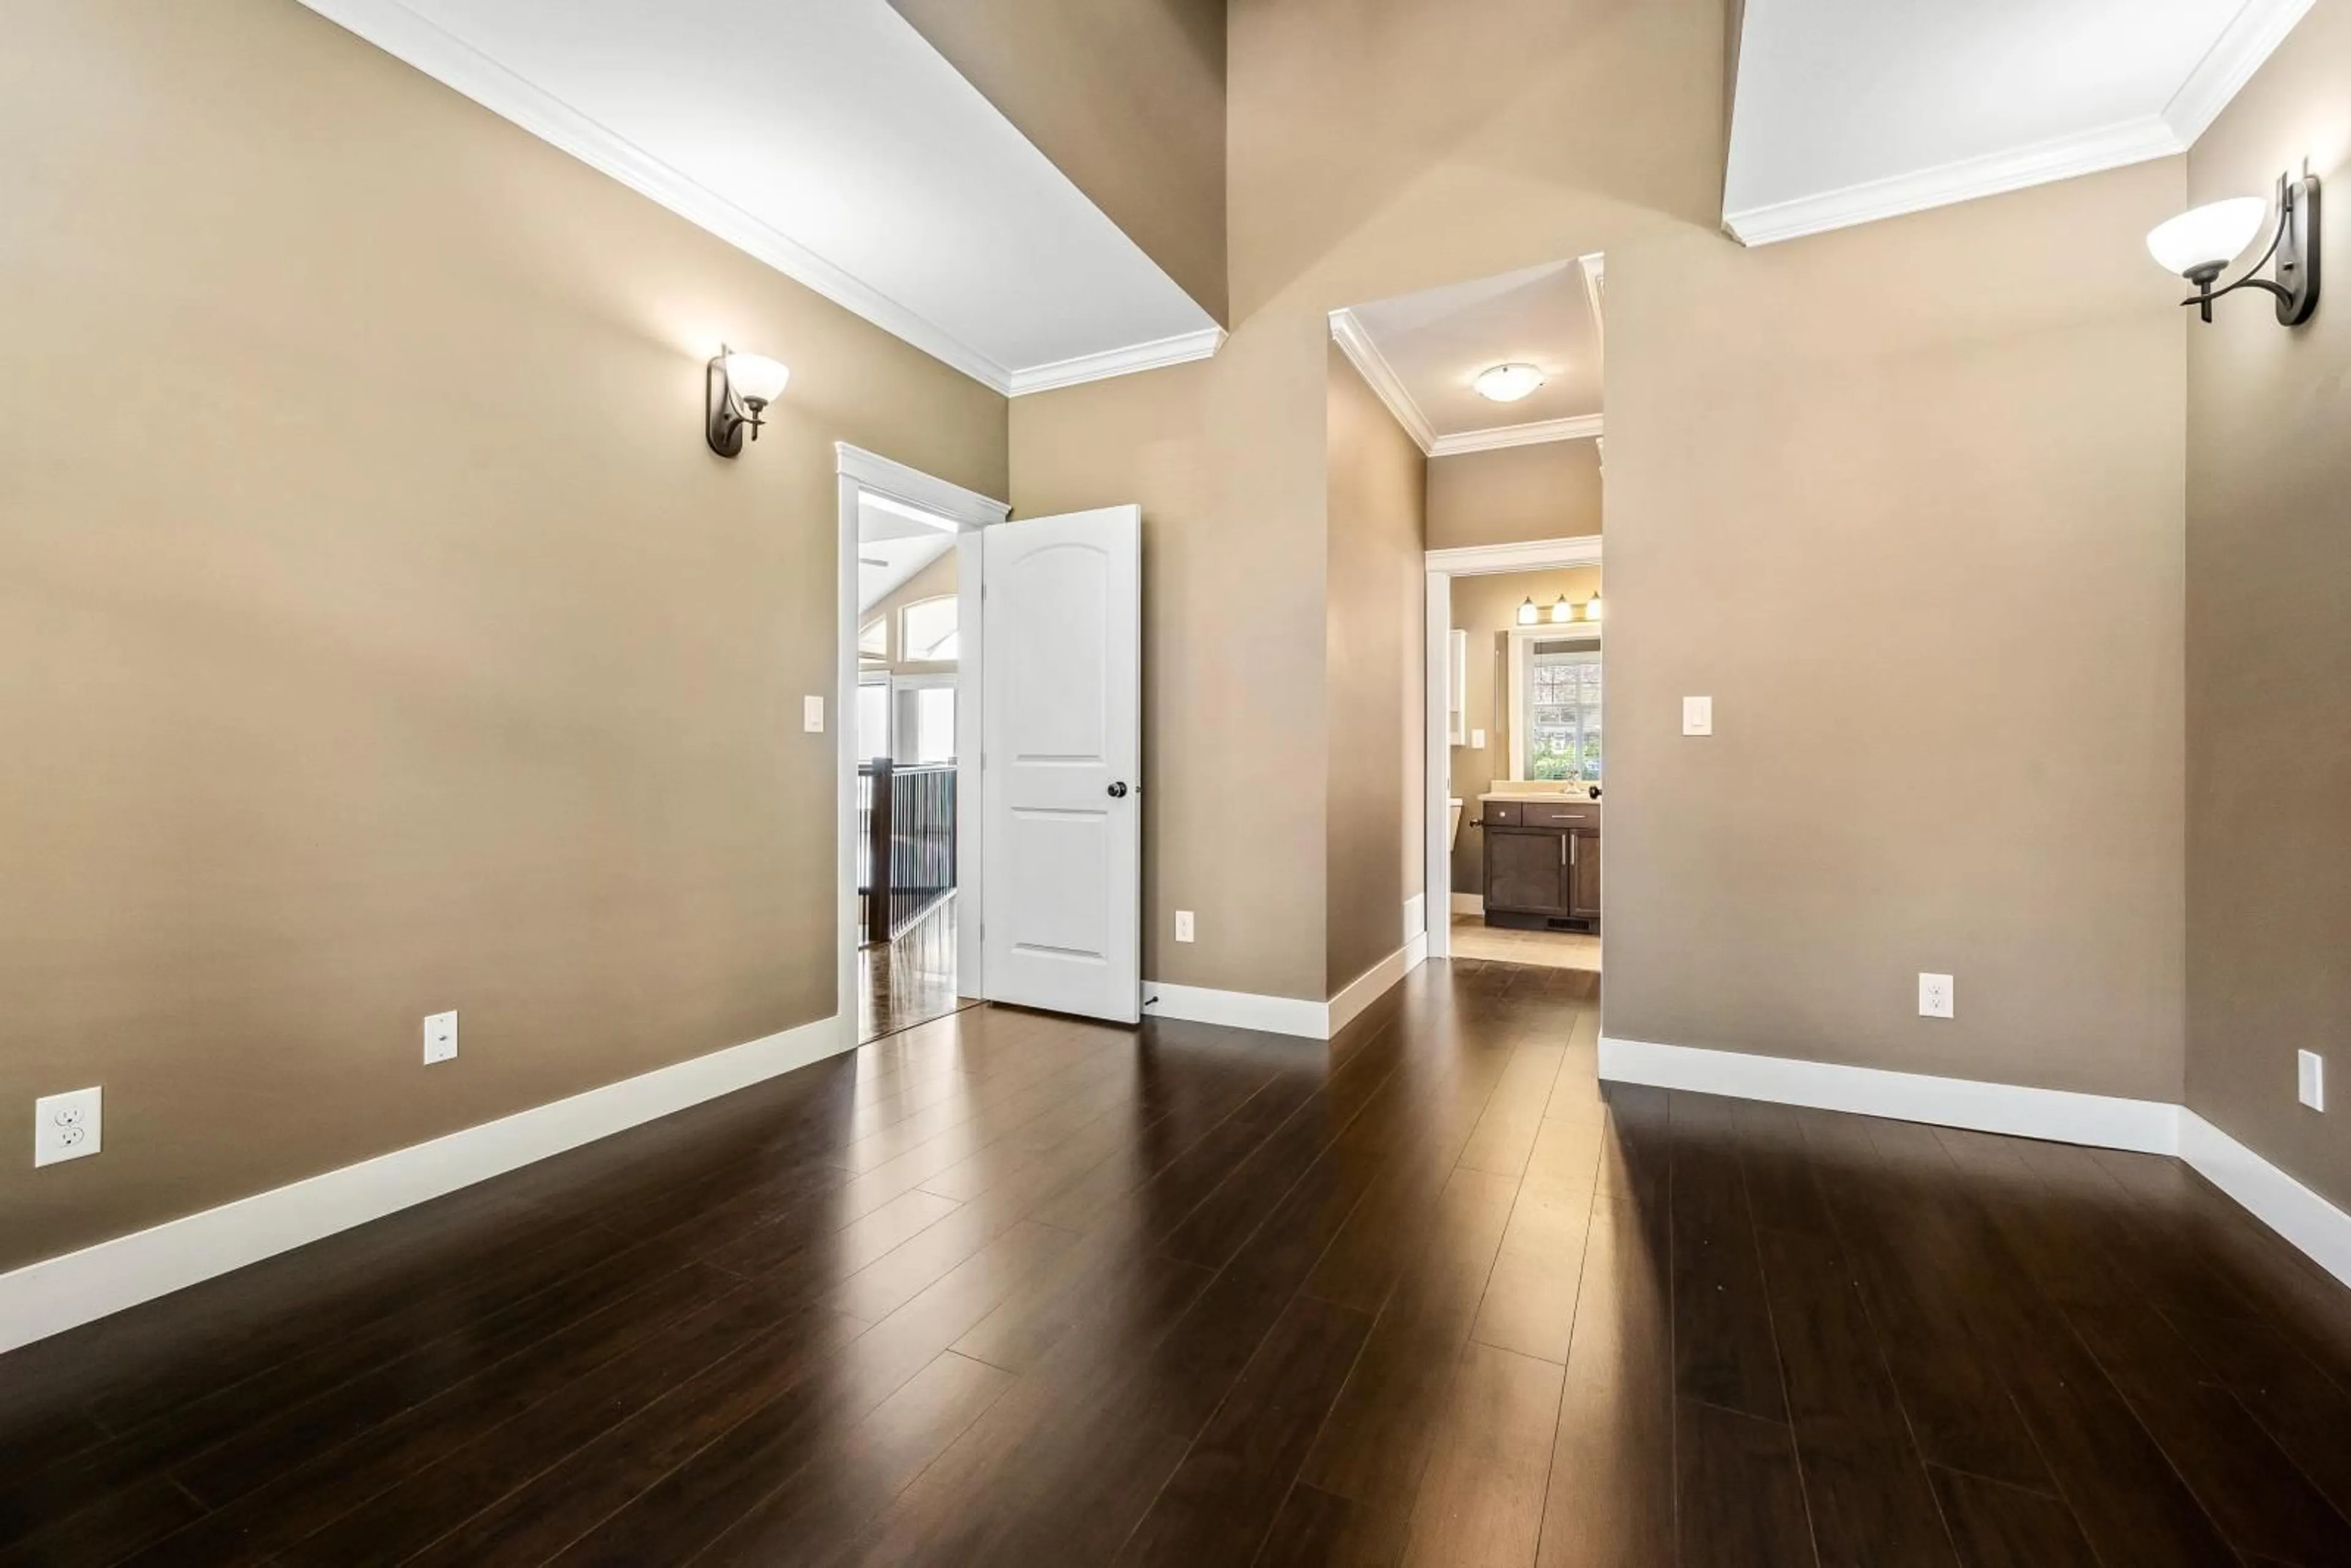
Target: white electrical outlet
point(1477, 740)
point(2311, 1069)
point(1697, 716)
point(812, 714)
point(1935, 996)
point(66, 1126)
point(440, 1038)
point(1183, 925)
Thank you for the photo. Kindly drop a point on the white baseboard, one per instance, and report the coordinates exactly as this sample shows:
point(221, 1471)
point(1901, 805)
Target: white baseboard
point(2310, 1222)
point(1236, 1009)
point(1415, 917)
point(2276, 1199)
point(1284, 1015)
point(1372, 983)
point(1469, 903)
point(62, 1292)
point(2059, 1116)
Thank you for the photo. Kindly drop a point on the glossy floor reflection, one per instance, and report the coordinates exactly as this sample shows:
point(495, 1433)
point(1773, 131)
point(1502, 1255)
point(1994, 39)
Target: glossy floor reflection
point(1012, 1289)
point(911, 978)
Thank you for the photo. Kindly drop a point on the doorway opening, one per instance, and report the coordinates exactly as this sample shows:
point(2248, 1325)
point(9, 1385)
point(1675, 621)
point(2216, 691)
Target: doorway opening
point(910, 662)
point(1516, 752)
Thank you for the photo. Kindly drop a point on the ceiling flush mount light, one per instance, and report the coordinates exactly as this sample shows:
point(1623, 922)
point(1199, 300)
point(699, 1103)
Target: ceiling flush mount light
point(1528, 614)
point(1507, 383)
point(2200, 243)
point(741, 386)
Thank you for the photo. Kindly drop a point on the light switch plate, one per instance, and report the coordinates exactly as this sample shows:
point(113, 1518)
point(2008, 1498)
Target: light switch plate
point(1183, 925)
point(66, 1126)
point(2311, 1070)
point(440, 1038)
point(812, 714)
point(1477, 740)
point(1697, 716)
point(1935, 996)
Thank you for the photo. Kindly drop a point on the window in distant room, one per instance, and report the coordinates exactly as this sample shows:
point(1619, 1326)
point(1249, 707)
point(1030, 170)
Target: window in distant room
point(1562, 711)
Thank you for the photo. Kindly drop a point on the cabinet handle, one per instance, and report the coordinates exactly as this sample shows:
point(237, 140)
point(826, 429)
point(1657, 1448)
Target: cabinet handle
point(1574, 852)
point(1564, 839)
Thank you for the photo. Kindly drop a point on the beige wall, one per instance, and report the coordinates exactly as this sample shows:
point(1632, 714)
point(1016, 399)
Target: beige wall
point(2269, 644)
point(1127, 100)
point(1233, 705)
point(1486, 607)
point(1550, 491)
point(1377, 584)
point(1515, 133)
point(1907, 501)
point(379, 635)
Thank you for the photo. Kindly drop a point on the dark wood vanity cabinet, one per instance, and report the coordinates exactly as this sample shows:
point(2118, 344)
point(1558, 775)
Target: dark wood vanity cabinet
point(1542, 864)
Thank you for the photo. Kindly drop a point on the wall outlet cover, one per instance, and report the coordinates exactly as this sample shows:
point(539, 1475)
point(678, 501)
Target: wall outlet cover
point(2311, 1072)
point(67, 1126)
point(1477, 740)
point(440, 1038)
point(1183, 925)
point(1935, 996)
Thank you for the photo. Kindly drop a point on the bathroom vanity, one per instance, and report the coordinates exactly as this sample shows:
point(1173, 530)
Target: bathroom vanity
point(1542, 860)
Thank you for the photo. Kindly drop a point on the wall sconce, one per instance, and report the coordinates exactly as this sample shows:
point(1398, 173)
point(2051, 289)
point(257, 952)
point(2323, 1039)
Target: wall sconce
point(2199, 244)
point(1528, 614)
point(739, 389)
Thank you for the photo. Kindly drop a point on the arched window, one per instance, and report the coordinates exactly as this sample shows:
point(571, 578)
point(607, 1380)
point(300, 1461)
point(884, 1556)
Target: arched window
point(927, 630)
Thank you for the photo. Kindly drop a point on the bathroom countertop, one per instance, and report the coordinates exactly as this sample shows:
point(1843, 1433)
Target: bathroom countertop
point(1544, 796)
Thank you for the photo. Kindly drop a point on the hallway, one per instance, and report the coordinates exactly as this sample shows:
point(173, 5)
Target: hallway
point(1008, 1288)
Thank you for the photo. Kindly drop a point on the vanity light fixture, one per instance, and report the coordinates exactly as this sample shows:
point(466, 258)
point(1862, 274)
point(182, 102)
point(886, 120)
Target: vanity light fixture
point(1562, 612)
point(739, 389)
point(1528, 614)
point(1592, 606)
point(2200, 243)
point(1507, 383)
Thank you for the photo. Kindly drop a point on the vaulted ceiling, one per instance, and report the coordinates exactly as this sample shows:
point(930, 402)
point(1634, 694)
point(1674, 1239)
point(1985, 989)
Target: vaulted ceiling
point(1844, 111)
point(826, 138)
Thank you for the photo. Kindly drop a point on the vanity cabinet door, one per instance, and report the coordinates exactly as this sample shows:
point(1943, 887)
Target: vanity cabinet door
point(1583, 875)
point(1526, 870)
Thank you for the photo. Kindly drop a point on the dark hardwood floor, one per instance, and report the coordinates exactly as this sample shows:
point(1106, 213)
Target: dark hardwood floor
point(1010, 1289)
point(911, 978)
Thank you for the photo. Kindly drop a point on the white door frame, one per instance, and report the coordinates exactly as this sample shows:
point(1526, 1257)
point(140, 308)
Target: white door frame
point(898, 487)
point(1444, 566)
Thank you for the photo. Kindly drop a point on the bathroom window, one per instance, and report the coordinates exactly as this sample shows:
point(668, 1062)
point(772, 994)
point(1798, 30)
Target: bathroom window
point(1561, 716)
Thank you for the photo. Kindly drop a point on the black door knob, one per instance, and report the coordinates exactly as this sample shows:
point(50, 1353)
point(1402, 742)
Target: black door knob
point(1118, 792)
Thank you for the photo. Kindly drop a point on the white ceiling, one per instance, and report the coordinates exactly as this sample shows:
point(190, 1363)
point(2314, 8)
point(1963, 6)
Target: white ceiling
point(1849, 110)
point(902, 546)
point(1422, 352)
point(829, 139)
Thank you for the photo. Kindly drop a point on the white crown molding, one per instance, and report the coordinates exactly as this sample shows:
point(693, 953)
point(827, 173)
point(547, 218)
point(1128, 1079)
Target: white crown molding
point(1580, 427)
point(1181, 350)
point(455, 64)
point(458, 65)
point(881, 475)
point(2249, 39)
point(1526, 555)
point(58, 1293)
point(1386, 385)
point(2111, 147)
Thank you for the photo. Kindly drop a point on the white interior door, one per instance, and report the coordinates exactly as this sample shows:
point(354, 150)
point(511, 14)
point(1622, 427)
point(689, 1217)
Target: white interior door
point(1060, 767)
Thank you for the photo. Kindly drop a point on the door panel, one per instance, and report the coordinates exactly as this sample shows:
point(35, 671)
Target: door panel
point(1583, 875)
point(1525, 871)
point(1063, 838)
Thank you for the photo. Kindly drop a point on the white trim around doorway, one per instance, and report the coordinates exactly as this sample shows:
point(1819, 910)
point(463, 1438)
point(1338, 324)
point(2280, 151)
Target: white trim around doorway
point(908, 491)
point(1443, 567)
